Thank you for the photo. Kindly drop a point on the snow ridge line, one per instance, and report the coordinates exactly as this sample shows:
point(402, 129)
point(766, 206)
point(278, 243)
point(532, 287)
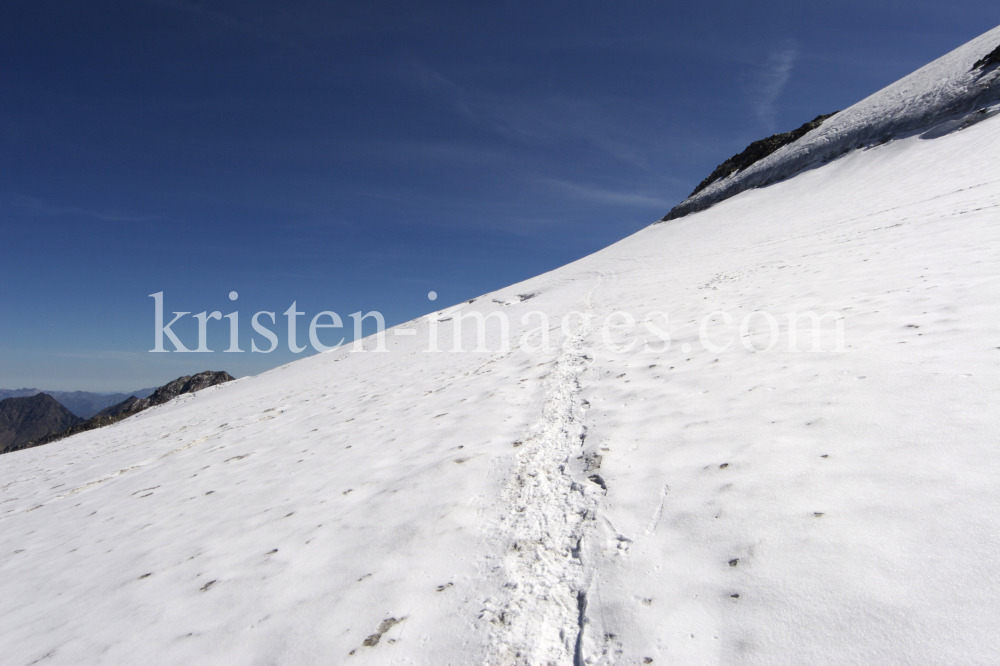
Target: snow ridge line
point(546, 515)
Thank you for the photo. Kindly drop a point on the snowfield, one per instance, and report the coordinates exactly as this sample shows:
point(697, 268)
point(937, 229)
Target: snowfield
point(581, 505)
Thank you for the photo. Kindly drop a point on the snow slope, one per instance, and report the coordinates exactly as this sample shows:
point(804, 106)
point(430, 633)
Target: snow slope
point(439, 508)
point(947, 93)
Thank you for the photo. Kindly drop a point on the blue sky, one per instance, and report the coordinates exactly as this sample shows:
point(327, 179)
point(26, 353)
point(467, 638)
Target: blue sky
point(353, 156)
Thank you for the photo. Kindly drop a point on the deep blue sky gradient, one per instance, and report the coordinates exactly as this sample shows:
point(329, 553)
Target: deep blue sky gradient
point(355, 156)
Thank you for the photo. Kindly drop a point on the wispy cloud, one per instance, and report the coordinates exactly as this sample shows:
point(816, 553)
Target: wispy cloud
point(532, 120)
point(771, 83)
point(606, 196)
point(43, 208)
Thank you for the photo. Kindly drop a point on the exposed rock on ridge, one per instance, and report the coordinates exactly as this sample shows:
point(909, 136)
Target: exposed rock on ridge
point(758, 150)
point(950, 94)
point(179, 386)
point(988, 60)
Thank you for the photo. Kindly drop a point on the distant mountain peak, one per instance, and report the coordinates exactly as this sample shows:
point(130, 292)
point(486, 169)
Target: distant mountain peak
point(25, 419)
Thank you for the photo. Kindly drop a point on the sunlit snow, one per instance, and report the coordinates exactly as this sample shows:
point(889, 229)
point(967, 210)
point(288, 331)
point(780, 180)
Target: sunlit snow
point(581, 505)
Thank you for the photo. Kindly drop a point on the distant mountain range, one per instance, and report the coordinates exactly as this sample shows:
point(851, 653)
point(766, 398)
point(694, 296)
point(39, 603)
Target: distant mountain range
point(81, 403)
point(39, 418)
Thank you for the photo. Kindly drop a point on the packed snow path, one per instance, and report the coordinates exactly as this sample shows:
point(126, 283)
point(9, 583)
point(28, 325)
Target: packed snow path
point(735, 506)
point(548, 510)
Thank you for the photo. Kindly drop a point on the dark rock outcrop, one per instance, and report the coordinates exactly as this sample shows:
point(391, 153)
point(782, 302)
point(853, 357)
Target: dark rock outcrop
point(956, 91)
point(123, 407)
point(988, 60)
point(179, 386)
point(755, 152)
point(23, 420)
point(758, 150)
point(133, 405)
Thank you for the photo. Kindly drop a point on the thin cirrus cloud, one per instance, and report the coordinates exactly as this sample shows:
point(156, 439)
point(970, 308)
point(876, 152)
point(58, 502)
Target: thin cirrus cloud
point(771, 83)
point(530, 120)
point(38, 207)
point(606, 196)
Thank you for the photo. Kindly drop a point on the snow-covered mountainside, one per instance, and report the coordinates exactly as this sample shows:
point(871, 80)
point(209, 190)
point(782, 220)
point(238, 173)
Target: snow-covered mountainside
point(699, 504)
point(958, 89)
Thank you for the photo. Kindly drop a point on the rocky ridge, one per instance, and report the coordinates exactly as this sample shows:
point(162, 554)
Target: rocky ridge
point(950, 94)
point(129, 407)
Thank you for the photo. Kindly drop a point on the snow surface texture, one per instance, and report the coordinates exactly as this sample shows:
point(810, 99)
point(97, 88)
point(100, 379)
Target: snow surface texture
point(579, 506)
point(953, 88)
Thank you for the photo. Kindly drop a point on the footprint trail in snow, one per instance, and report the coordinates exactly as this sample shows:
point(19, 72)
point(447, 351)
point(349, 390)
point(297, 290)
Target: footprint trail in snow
point(549, 511)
